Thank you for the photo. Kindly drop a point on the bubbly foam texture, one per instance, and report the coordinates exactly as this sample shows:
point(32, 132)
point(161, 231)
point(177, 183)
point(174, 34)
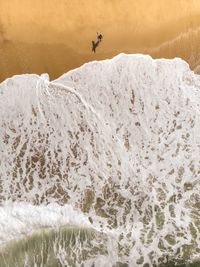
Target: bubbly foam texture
point(116, 139)
point(16, 217)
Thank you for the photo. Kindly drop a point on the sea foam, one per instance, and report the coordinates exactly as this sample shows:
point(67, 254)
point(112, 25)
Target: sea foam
point(117, 140)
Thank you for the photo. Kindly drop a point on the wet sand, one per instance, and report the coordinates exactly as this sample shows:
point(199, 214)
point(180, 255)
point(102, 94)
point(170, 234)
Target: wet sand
point(54, 37)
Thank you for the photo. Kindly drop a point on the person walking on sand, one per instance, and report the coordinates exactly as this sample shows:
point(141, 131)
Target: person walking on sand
point(96, 43)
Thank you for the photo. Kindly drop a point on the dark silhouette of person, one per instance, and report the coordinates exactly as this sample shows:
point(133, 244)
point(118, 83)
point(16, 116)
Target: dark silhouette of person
point(96, 43)
point(99, 36)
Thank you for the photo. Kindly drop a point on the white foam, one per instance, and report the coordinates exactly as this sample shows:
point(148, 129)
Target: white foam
point(118, 139)
point(22, 218)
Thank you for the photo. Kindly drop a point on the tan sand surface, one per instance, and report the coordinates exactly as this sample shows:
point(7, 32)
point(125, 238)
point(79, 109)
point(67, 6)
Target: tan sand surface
point(55, 36)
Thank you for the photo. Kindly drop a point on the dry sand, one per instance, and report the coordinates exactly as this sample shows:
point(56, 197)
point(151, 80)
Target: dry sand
point(55, 36)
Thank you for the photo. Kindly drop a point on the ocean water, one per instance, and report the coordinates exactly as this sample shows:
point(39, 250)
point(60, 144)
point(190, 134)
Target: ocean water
point(112, 147)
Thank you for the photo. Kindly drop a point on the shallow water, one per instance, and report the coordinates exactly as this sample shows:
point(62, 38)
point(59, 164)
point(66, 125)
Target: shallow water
point(113, 145)
point(67, 246)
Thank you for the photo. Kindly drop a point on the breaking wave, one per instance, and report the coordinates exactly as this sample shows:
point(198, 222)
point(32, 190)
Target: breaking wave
point(114, 142)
